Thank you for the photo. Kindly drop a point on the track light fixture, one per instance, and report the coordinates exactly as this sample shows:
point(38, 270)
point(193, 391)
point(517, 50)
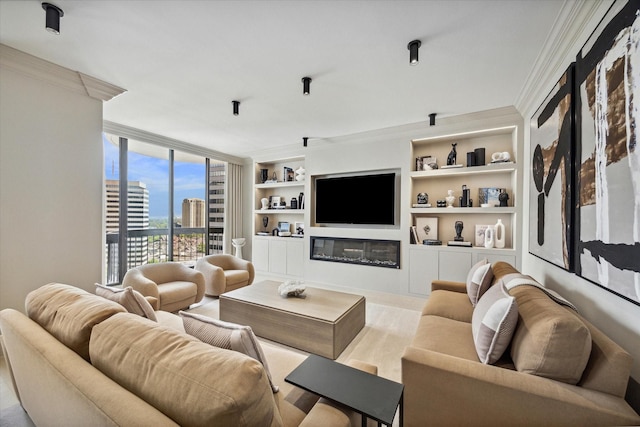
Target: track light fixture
point(236, 107)
point(432, 119)
point(306, 83)
point(53, 14)
point(413, 47)
point(305, 140)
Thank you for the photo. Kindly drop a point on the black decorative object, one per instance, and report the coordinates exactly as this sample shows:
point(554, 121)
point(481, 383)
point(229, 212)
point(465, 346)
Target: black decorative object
point(423, 198)
point(504, 198)
point(451, 158)
point(294, 203)
point(464, 199)
point(441, 203)
point(264, 175)
point(301, 201)
point(265, 222)
point(459, 225)
point(471, 158)
point(53, 15)
point(413, 47)
point(480, 156)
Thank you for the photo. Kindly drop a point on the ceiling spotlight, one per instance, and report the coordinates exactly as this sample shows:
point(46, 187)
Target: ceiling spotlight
point(236, 107)
point(413, 51)
point(432, 119)
point(53, 17)
point(304, 141)
point(306, 82)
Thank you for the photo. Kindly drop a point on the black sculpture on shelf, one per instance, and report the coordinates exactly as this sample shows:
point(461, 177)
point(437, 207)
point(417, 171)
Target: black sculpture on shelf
point(451, 158)
point(504, 198)
point(265, 221)
point(458, 226)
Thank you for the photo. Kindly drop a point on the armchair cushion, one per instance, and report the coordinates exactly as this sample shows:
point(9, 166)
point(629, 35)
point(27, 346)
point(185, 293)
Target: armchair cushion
point(226, 335)
point(131, 300)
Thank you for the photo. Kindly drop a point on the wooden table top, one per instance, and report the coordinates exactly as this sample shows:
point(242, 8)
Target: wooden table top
point(318, 303)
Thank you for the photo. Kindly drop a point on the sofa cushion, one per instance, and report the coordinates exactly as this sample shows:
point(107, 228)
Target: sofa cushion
point(69, 313)
point(445, 336)
point(226, 335)
point(550, 340)
point(193, 383)
point(479, 279)
point(452, 305)
point(130, 299)
point(493, 324)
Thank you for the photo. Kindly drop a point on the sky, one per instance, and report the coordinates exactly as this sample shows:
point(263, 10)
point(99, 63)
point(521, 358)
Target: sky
point(154, 172)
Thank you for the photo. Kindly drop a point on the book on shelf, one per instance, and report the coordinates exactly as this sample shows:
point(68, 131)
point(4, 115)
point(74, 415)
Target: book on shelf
point(421, 205)
point(459, 243)
point(414, 235)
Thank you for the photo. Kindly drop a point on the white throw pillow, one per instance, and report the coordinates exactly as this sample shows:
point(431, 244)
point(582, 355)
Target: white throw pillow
point(493, 323)
point(226, 335)
point(133, 301)
point(479, 280)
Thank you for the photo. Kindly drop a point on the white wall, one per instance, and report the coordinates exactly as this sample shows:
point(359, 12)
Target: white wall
point(50, 186)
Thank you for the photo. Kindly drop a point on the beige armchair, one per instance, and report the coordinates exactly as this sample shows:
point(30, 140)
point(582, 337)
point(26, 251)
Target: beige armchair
point(223, 273)
point(168, 286)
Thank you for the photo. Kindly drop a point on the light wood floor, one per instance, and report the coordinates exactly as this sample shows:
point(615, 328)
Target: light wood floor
point(391, 321)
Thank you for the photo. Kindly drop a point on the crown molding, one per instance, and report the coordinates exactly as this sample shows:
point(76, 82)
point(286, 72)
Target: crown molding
point(571, 28)
point(163, 141)
point(74, 81)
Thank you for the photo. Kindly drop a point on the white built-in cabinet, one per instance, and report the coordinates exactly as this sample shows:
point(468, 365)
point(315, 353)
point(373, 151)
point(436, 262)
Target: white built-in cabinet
point(274, 254)
point(427, 263)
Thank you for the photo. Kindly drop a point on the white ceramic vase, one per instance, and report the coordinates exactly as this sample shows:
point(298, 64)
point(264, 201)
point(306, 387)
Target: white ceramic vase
point(489, 235)
point(499, 234)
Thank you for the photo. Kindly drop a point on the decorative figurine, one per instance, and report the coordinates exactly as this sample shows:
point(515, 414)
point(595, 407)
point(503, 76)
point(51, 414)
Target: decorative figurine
point(423, 198)
point(264, 175)
point(265, 221)
point(458, 226)
point(451, 159)
point(504, 198)
point(450, 198)
point(265, 203)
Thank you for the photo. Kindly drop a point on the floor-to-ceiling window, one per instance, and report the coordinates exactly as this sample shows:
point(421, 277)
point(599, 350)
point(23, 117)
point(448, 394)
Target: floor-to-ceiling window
point(156, 202)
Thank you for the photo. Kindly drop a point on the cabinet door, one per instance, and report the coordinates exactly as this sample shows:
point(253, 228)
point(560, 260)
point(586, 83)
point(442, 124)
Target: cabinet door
point(510, 259)
point(278, 256)
point(454, 266)
point(295, 257)
point(260, 256)
point(423, 269)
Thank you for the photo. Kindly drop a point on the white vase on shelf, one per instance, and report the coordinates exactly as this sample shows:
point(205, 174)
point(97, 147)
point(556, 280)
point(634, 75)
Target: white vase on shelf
point(489, 235)
point(499, 234)
point(265, 203)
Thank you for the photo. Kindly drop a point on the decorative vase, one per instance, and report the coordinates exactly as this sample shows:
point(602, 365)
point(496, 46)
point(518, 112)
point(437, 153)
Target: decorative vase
point(499, 234)
point(450, 198)
point(264, 175)
point(300, 174)
point(489, 235)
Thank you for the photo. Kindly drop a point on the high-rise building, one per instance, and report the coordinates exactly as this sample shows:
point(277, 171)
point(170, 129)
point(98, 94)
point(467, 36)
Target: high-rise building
point(137, 219)
point(193, 213)
point(217, 179)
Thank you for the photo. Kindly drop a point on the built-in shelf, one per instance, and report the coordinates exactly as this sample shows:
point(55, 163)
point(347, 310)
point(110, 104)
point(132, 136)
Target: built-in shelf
point(466, 171)
point(279, 211)
point(280, 184)
point(455, 210)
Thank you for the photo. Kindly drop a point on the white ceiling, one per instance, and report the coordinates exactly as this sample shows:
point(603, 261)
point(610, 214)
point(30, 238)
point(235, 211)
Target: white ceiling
point(183, 62)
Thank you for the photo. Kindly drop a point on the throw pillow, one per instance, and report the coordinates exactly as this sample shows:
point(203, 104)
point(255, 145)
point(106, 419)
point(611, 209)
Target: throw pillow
point(131, 300)
point(479, 280)
point(226, 335)
point(493, 323)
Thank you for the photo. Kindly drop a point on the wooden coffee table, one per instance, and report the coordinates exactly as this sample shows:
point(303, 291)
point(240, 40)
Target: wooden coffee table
point(323, 323)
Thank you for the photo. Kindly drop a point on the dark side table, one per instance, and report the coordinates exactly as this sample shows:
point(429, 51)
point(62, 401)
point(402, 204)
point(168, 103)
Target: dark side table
point(370, 395)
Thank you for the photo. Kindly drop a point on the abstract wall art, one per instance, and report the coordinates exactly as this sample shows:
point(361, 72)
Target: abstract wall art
point(607, 239)
point(552, 145)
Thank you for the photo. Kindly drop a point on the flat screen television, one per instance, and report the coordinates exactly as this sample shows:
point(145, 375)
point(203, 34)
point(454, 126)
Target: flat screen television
point(356, 199)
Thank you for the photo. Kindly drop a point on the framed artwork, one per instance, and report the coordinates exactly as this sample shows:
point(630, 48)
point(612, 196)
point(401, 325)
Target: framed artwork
point(288, 174)
point(550, 193)
point(427, 228)
point(298, 228)
point(607, 241)
point(480, 232)
point(489, 195)
point(283, 226)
